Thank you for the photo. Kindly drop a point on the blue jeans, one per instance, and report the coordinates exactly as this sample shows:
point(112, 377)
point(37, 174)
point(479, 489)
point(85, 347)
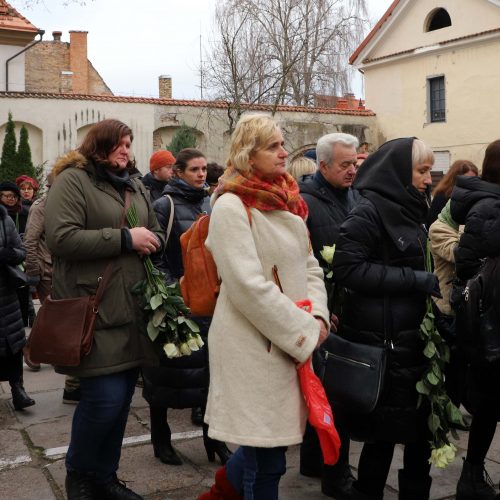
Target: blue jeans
point(99, 424)
point(256, 472)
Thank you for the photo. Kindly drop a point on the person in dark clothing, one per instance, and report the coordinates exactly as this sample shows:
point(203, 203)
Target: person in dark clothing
point(12, 335)
point(160, 172)
point(181, 382)
point(28, 188)
point(442, 192)
point(214, 171)
point(330, 198)
point(475, 202)
point(380, 259)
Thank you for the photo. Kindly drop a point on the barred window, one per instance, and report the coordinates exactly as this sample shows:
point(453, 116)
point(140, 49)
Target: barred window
point(437, 100)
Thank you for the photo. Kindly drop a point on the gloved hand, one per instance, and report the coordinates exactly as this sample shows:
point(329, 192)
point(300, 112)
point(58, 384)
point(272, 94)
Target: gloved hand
point(7, 255)
point(428, 283)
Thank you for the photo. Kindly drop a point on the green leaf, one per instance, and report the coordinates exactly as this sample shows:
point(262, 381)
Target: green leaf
point(158, 316)
point(430, 349)
point(193, 326)
point(428, 324)
point(433, 380)
point(453, 414)
point(329, 275)
point(422, 388)
point(433, 422)
point(156, 301)
point(153, 331)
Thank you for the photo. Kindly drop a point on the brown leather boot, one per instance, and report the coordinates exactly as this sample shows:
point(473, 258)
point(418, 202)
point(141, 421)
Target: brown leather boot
point(222, 489)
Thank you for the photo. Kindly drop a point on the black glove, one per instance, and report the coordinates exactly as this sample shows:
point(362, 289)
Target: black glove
point(7, 255)
point(428, 283)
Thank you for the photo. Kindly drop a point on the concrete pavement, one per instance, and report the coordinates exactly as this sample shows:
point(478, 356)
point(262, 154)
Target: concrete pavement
point(33, 444)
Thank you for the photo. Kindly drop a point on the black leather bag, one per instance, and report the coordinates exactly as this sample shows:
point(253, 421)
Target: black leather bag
point(353, 374)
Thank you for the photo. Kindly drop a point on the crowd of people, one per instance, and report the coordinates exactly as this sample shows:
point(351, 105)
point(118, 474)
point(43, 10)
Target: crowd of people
point(270, 221)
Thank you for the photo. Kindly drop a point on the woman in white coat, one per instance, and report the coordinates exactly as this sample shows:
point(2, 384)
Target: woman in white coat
point(258, 335)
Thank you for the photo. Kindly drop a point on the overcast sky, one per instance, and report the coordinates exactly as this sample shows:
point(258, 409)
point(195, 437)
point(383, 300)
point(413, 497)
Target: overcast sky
point(132, 42)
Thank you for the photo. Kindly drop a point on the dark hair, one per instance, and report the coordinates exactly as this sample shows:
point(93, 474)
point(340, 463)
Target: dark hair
point(491, 163)
point(214, 171)
point(184, 156)
point(447, 183)
point(102, 139)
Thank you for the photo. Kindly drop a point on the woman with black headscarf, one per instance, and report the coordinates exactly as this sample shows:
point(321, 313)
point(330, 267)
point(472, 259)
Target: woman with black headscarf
point(380, 259)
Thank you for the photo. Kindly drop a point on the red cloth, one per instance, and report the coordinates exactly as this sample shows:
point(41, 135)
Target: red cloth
point(318, 406)
point(280, 194)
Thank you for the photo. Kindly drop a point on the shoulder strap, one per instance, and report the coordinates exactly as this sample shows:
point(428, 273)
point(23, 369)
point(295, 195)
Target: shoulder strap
point(170, 218)
point(386, 317)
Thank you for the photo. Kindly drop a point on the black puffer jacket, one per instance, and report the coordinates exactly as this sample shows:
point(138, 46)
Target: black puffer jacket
point(328, 208)
point(189, 203)
point(12, 336)
point(181, 382)
point(380, 245)
point(475, 203)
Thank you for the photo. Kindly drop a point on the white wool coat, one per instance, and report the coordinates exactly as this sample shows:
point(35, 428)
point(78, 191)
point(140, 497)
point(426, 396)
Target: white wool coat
point(254, 397)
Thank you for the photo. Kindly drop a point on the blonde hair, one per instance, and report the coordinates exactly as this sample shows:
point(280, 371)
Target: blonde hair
point(421, 153)
point(251, 134)
point(301, 166)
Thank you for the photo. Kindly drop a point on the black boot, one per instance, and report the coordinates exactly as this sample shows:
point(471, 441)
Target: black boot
point(474, 483)
point(411, 488)
point(197, 416)
point(213, 447)
point(20, 399)
point(115, 490)
point(336, 481)
point(160, 437)
point(79, 486)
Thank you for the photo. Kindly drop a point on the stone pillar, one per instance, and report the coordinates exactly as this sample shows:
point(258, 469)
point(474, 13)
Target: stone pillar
point(165, 86)
point(78, 61)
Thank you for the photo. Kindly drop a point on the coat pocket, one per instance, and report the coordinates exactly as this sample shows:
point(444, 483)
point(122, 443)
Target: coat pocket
point(116, 306)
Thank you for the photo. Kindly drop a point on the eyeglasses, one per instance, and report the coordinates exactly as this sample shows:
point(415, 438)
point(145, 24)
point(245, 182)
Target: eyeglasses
point(9, 196)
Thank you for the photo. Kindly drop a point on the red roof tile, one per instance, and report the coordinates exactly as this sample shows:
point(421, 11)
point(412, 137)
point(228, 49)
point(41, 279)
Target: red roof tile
point(374, 31)
point(11, 20)
point(181, 102)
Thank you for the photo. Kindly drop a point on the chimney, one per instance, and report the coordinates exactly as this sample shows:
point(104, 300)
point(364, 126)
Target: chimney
point(78, 62)
point(352, 102)
point(342, 103)
point(165, 86)
point(57, 36)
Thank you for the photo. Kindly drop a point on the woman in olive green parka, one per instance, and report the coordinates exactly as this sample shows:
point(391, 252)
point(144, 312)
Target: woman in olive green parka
point(84, 233)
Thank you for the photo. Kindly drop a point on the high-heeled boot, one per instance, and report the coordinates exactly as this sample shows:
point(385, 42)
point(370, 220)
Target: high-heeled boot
point(20, 399)
point(213, 447)
point(222, 489)
point(161, 437)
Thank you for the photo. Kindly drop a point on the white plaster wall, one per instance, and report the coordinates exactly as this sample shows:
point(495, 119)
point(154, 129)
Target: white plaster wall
point(16, 69)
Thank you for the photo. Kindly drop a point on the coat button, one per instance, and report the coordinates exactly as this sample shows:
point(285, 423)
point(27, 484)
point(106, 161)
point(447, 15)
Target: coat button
point(106, 235)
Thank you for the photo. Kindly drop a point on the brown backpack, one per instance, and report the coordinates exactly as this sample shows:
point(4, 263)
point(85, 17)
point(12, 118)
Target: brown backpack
point(200, 284)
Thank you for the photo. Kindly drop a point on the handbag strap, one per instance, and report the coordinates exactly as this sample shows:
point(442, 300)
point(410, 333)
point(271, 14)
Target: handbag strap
point(106, 276)
point(170, 218)
point(386, 315)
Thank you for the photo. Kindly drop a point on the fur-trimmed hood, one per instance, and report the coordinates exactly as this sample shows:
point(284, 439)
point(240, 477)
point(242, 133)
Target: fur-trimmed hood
point(71, 159)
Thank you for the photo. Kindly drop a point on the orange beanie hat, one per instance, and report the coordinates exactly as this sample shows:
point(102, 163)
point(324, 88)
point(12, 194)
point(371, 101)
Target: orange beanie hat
point(159, 159)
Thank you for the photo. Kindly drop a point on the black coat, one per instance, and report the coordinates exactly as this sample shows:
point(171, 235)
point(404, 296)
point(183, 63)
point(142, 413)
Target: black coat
point(476, 203)
point(328, 208)
point(377, 252)
point(181, 382)
point(154, 186)
point(12, 336)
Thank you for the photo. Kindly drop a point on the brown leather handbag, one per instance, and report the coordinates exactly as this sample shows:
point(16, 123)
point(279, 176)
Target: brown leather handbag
point(64, 328)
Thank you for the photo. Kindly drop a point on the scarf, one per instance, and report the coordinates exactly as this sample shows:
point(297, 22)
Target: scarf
point(280, 194)
point(446, 218)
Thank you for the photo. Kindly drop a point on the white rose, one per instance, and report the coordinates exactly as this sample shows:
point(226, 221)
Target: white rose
point(185, 350)
point(327, 253)
point(193, 345)
point(171, 350)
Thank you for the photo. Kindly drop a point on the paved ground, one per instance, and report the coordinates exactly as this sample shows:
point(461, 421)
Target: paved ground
point(33, 443)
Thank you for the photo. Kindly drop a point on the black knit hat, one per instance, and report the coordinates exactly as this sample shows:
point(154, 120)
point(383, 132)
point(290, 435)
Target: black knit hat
point(10, 186)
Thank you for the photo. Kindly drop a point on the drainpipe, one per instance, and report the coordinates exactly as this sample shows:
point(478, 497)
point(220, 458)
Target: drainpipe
point(32, 44)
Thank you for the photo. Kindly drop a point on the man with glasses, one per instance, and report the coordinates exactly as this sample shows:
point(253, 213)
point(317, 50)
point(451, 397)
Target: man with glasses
point(330, 198)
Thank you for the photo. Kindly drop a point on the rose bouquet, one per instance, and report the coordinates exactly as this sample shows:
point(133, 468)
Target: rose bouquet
point(165, 313)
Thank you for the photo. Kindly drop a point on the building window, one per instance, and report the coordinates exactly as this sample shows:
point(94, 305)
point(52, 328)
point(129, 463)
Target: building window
point(437, 19)
point(437, 101)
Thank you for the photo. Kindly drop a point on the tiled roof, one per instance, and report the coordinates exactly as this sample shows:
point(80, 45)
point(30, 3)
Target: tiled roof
point(444, 42)
point(374, 31)
point(181, 102)
point(11, 20)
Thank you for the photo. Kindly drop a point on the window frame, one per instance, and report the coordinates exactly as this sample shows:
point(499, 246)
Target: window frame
point(432, 101)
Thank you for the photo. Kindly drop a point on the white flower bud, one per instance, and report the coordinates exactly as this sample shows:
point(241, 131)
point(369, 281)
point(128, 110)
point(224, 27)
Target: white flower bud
point(171, 350)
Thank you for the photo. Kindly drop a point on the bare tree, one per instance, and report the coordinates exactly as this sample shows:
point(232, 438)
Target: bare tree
point(282, 51)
